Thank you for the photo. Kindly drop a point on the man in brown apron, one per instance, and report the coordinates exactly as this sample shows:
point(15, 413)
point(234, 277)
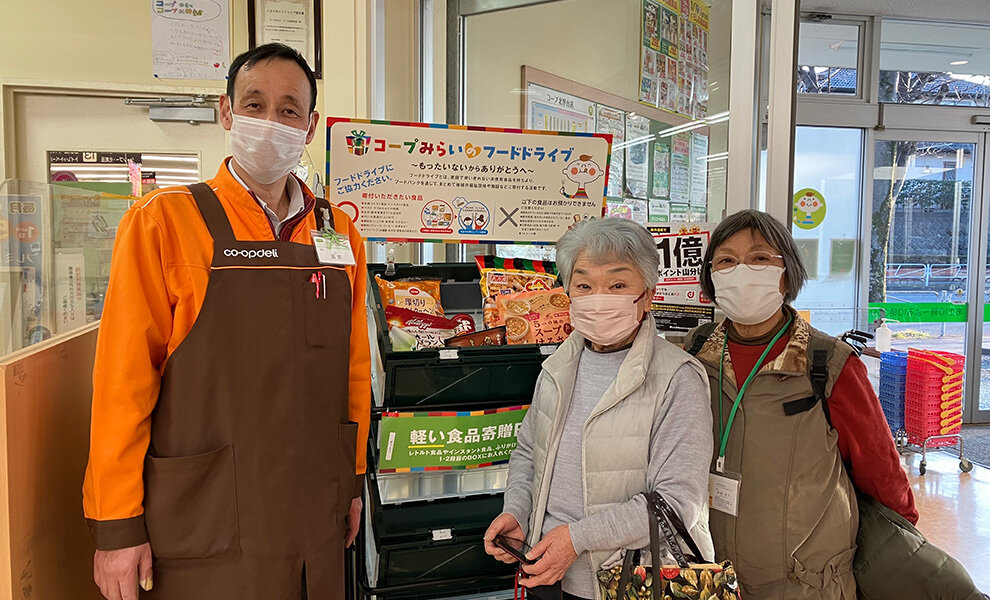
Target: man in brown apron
point(232, 382)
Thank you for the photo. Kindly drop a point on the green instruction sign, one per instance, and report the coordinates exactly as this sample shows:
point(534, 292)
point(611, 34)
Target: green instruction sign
point(447, 440)
point(921, 312)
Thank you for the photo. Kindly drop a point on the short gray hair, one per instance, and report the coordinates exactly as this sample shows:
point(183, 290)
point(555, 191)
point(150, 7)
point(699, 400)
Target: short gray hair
point(606, 240)
point(774, 233)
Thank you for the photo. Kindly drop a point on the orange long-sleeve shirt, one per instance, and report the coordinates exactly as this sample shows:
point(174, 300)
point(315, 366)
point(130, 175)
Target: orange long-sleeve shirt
point(158, 278)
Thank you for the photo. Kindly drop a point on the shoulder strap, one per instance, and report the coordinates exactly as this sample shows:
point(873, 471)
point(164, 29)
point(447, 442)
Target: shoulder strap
point(818, 374)
point(213, 213)
point(701, 335)
point(318, 209)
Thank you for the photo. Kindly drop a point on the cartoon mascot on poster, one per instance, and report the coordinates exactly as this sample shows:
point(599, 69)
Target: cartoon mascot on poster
point(582, 172)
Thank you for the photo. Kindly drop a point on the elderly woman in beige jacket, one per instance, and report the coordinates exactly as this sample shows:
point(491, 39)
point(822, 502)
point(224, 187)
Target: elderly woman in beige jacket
point(617, 412)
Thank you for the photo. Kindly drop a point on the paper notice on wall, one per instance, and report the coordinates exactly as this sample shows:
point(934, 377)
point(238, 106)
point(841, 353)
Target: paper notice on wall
point(680, 168)
point(190, 39)
point(699, 169)
point(70, 289)
point(287, 22)
point(661, 170)
point(613, 121)
point(550, 110)
point(637, 155)
point(680, 212)
point(659, 211)
point(633, 209)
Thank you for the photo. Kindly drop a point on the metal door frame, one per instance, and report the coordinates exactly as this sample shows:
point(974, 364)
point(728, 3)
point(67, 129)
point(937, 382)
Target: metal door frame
point(979, 219)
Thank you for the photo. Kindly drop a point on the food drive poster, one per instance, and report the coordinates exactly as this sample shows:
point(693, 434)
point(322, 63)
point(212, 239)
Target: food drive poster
point(417, 182)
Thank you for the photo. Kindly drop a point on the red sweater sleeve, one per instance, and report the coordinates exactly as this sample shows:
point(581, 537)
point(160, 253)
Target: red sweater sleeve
point(865, 442)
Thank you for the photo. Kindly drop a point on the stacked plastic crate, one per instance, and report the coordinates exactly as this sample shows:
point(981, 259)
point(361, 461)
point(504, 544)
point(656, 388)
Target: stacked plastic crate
point(933, 398)
point(893, 375)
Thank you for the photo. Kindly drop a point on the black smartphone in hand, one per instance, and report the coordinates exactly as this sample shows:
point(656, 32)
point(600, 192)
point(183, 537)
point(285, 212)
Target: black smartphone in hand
point(517, 549)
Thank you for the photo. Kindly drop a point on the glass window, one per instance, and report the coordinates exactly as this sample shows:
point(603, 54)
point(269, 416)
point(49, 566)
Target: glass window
point(662, 92)
point(920, 247)
point(828, 162)
point(934, 63)
point(828, 56)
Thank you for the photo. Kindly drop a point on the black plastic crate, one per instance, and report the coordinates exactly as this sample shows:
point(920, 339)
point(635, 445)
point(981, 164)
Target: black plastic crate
point(484, 376)
point(439, 542)
point(453, 568)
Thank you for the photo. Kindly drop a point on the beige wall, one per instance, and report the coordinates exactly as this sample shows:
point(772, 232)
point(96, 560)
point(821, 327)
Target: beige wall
point(88, 44)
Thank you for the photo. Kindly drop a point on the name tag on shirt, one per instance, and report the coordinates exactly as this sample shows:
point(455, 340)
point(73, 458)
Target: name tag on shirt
point(332, 248)
point(723, 492)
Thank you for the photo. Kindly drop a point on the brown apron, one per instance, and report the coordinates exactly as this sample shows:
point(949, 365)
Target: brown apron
point(251, 465)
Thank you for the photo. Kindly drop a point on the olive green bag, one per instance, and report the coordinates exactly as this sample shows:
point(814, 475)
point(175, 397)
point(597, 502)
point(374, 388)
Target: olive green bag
point(895, 561)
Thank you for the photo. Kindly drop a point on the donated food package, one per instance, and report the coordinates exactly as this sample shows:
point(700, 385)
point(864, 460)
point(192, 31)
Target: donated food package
point(418, 295)
point(539, 317)
point(430, 331)
point(485, 337)
point(501, 276)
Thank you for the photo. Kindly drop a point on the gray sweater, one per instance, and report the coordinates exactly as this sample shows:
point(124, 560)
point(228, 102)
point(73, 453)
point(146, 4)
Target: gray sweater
point(684, 439)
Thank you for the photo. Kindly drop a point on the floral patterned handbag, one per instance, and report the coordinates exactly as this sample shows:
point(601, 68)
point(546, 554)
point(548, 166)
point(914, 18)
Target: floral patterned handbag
point(688, 579)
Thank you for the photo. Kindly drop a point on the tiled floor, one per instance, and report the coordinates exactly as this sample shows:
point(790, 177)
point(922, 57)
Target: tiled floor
point(955, 510)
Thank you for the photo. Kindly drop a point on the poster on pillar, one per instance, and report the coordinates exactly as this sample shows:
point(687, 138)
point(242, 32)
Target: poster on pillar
point(417, 182)
point(678, 304)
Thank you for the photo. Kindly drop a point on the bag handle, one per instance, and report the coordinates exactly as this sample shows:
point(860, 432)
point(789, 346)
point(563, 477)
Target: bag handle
point(664, 516)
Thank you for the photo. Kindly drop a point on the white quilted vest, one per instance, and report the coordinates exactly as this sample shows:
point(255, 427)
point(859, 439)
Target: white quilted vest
point(617, 434)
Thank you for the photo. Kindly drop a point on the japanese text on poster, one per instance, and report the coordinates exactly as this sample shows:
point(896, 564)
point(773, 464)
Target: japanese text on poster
point(190, 39)
point(416, 182)
point(678, 304)
point(613, 121)
point(637, 155)
point(446, 441)
point(550, 110)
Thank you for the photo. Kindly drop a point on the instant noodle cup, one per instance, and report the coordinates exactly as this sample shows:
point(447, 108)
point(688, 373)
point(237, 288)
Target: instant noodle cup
point(419, 295)
point(503, 276)
point(538, 317)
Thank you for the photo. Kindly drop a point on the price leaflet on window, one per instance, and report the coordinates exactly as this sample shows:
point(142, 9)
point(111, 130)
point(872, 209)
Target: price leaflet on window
point(678, 303)
point(444, 441)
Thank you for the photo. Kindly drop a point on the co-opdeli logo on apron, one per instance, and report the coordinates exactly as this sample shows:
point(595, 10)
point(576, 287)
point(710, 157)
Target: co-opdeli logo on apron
point(249, 254)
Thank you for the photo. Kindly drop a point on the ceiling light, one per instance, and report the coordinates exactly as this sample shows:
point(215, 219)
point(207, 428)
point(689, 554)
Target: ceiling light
point(956, 63)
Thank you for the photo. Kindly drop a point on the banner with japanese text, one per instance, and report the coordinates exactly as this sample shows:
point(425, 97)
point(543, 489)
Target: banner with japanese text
point(443, 441)
point(418, 182)
point(678, 304)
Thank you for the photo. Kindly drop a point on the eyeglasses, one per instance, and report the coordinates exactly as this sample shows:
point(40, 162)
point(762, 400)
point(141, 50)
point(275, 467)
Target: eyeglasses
point(759, 260)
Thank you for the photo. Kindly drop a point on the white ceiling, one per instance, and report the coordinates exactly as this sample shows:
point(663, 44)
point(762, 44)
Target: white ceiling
point(966, 11)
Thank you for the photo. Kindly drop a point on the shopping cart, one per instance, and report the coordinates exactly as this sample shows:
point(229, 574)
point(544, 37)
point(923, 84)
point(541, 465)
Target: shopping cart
point(933, 395)
point(893, 378)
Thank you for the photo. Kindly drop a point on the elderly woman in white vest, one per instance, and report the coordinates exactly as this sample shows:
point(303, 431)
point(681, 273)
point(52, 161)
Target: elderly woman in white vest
point(617, 412)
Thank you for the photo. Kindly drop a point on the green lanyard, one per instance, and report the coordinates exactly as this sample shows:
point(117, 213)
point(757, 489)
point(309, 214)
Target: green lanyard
point(724, 433)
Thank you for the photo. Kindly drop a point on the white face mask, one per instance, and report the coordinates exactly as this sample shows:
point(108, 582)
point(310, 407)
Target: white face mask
point(267, 150)
point(749, 296)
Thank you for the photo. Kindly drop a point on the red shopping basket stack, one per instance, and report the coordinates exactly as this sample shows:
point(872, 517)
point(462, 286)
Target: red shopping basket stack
point(933, 398)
